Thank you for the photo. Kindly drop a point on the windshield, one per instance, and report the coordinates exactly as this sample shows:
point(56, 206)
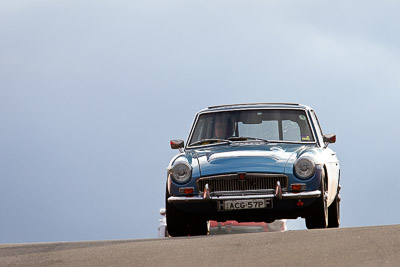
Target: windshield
point(264, 124)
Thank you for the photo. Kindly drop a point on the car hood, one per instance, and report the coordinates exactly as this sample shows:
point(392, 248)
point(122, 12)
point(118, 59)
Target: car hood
point(270, 158)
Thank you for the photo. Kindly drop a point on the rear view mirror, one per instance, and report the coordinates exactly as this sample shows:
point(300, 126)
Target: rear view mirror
point(176, 144)
point(251, 118)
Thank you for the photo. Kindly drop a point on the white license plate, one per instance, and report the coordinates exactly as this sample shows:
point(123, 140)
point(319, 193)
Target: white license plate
point(245, 204)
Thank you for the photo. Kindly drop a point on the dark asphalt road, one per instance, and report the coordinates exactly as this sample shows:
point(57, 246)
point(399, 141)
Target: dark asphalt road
point(361, 246)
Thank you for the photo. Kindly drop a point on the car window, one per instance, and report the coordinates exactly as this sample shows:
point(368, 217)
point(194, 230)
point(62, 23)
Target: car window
point(273, 125)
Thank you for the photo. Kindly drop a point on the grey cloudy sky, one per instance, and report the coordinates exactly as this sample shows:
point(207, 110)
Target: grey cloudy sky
point(91, 92)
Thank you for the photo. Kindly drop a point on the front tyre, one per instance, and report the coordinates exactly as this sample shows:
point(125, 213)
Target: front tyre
point(318, 215)
point(198, 226)
point(334, 212)
point(177, 221)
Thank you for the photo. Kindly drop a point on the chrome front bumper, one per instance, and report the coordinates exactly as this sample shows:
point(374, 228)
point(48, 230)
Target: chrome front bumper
point(278, 194)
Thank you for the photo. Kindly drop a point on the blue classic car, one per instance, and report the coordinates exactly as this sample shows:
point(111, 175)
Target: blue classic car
point(253, 163)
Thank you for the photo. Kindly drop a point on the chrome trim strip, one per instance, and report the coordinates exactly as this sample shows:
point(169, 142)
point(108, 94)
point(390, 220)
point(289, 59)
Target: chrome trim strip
point(309, 194)
point(206, 194)
point(256, 104)
point(234, 177)
point(244, 142)
point(199, 199)
point(244, 192)
point(278, 190)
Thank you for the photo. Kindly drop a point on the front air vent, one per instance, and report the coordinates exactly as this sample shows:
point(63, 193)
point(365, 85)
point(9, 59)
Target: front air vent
point(232, 184)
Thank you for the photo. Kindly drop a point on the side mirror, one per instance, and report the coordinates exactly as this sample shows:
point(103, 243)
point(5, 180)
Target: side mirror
point(176, 144)
point(163, 211)
point(329, 138)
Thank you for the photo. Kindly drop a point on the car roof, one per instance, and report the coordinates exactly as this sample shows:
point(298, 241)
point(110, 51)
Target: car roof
point(255, 106)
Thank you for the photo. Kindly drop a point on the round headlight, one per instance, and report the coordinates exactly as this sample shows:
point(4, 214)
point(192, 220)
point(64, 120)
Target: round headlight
point(181, 172)
point(304, 167)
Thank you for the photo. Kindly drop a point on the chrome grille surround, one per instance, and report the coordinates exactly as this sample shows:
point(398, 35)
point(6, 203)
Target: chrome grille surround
point(253, 184)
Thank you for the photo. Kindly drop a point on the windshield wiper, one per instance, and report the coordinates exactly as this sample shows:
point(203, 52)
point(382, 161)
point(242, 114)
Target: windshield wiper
point(246, 138)
point(210, 141)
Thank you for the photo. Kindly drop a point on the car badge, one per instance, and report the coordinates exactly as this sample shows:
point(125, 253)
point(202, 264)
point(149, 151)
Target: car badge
point(242, 176)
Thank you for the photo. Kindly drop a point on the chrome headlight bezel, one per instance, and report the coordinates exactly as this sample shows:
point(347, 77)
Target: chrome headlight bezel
point(304, 167)
point(181, 172)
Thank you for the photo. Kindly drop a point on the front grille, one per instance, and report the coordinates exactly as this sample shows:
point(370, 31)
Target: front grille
point(231, 184)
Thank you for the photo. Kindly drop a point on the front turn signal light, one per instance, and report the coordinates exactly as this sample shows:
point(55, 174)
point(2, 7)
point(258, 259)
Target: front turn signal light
point(298, 187)
point(186, 190)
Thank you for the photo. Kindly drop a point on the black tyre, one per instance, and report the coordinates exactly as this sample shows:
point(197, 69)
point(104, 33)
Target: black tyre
point(318, 215)
point(334, 212)
point(198, 226)
point(177, 221)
